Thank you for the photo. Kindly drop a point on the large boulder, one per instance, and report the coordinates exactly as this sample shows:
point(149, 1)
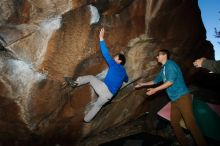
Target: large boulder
point(47, 40)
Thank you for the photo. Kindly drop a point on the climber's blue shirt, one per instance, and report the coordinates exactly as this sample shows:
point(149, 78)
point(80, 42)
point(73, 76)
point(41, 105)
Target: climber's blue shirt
point(116, 74)
point(171, 72)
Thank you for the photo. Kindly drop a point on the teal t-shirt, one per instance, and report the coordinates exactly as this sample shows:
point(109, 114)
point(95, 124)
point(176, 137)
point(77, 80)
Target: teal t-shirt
point(171, 72)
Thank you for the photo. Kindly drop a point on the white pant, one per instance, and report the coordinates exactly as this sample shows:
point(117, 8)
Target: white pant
point(101, 89)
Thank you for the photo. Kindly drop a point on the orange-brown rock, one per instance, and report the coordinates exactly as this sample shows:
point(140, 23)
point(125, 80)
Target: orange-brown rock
point(47, 40)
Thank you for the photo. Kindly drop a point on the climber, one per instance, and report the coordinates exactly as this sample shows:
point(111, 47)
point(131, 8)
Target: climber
point(181, 100)
point(106, 89)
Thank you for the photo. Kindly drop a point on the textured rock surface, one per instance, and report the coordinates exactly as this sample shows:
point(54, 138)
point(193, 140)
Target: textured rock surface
point(49, 39)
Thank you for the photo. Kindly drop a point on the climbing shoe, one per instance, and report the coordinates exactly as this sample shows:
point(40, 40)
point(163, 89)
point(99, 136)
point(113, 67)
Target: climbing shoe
point(70, 81)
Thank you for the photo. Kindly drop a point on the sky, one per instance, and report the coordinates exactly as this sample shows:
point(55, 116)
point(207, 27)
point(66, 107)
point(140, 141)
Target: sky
point(210, 10)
